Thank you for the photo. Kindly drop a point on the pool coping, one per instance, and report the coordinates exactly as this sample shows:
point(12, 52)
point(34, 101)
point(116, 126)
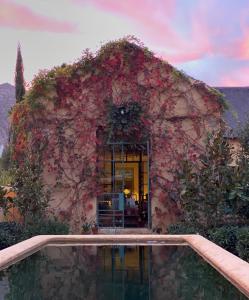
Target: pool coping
point(230, 266)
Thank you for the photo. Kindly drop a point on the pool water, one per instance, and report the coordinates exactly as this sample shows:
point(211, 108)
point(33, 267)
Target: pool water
point(115, 273)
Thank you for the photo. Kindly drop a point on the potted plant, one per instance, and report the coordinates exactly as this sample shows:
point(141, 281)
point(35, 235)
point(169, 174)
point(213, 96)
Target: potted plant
point(94, 228)
point(86, 228)
point(89, 227)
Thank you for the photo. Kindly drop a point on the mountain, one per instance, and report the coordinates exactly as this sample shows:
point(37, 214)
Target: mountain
point(7, 100)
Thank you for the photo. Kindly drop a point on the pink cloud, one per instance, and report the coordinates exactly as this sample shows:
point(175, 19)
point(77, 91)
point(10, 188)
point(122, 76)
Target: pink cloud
point(152, 17)
point(155, 20)
point(239, 77)
point(197, 45)
point(217, 38)
point(241, 47)
point(244, 49)
point(206, 35)
point(181, 57)
point(21, 17)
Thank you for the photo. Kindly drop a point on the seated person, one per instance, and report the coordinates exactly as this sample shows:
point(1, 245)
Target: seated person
point(130, 201)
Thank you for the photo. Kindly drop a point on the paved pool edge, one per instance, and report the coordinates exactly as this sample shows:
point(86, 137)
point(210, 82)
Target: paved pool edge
point(230, 266)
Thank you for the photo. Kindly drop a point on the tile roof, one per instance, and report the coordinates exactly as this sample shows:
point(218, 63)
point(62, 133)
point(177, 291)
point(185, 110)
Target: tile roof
point(237, 99)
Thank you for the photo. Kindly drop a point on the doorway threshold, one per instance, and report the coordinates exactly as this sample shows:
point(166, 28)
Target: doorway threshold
point(124, 231)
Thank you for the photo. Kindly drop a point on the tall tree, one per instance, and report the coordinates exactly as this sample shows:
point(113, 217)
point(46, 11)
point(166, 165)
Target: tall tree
point(19, 78)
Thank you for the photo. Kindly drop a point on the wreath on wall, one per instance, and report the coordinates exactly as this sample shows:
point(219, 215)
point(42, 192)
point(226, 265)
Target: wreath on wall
point(127, 123)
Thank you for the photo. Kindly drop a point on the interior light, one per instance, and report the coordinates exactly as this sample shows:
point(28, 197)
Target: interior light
point(126, 191)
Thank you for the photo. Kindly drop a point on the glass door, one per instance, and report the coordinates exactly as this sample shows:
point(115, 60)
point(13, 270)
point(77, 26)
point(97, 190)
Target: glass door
point(125, 185)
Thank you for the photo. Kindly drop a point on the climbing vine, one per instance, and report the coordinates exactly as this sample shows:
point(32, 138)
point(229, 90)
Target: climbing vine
point(132, 95)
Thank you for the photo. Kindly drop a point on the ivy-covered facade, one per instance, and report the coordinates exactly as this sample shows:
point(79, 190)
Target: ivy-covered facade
point(109, 132)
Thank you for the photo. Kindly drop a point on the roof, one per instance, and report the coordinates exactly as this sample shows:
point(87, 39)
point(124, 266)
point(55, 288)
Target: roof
point(237, 99)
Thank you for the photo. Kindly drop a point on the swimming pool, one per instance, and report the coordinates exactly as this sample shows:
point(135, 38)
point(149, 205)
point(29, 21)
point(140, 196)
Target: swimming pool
point(95, 268)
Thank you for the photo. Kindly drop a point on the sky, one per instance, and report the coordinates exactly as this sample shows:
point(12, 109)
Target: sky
point(207, 39)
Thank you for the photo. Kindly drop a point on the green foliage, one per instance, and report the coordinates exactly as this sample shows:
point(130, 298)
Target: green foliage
point(225, 236)
point(85, 64)
point(5, 177)
point(31, 197)
point(19, 78)
point(46, 226)
point(181, 228)
point(220, 96)
point(179, 74)
point(46, 82)
point(125, 122)
point(89, 227)
point(5, 167)
point(214, 194)
point(214, 187)
point(5, 202)
point(129, 43)
point(233, 238)
point(242, 246)
point(241, 188)
point(205, 185)
point(86, 227)
point(5, 159)
point(243, 135)
point(10, 234)
point(2, 193)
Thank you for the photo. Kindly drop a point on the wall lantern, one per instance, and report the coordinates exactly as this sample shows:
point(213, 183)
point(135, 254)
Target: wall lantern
point(122, 110)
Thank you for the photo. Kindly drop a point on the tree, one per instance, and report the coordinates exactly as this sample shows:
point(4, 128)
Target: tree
point(19, 78)
point(214, 191)
point(31, 197)
point(5, 159)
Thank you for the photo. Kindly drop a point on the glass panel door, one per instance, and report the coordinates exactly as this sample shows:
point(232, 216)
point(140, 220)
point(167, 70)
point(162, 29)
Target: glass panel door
point(124, 179)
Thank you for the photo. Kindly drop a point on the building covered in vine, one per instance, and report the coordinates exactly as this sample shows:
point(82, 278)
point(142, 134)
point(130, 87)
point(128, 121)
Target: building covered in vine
point(108, 133)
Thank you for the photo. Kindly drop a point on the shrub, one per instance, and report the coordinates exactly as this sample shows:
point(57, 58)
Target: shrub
point(233, 238)
point(213, 186)
point(5, 177)
point(242, 246)
point(31, 197)
point(181, 228)
point(5, 159)
point(10, 234)
point(213, 191)
point(45, 227)
point(225, 236)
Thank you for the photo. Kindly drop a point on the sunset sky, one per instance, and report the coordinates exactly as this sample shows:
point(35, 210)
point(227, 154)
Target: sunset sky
point(208, 39)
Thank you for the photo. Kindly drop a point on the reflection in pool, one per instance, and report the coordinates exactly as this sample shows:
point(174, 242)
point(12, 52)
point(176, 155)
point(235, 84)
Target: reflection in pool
point(115, 272)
